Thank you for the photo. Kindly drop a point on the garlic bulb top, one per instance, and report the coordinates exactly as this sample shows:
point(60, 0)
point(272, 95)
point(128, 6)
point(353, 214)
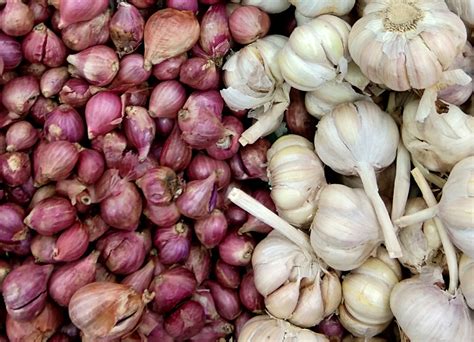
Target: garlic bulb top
point(441, 140)
point(427, 313)
point(274, 6)
point(266, 328)
point(296, 176)
point(456, 207)
point(355, 133)
point(463, 8)
point(466, 274)
point(406, 43)
point(365, 311)
point(294, 285)
point(315, 53)
point(420, 241)
point(345, 230)
point(252, 75)
point(313, 9)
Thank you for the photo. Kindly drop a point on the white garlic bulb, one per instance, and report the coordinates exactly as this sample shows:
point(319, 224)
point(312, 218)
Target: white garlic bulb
point(293, 283)
point(266, 328)
point(456, 207)
point(420, 241)
point(345, 230)
point(427, 313)
point(466, 275)
point(463, 8)
point(457, 94)
point(273, 6)
point(315, 53)
point(253, 81)
point(359, 139)
point(407, 43)
point(309, 9)
point(365, 311)
point(441, 140)
point(296, 176)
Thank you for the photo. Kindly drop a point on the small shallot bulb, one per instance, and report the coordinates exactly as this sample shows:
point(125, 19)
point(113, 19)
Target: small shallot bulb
point(211, 229)
point(106, 310)
point(98, 65)
point(20, 136)
point(406, 47)
point(17, 19)
point(186, 321)
point(90, 166)
point(131, 72)
point(20, 94)
point(12, 227)
point(10, 53)
point(54, 161)
point(43, 46)
point(124, 252)
point(173, 286)
point(159, 185)
point(103, 113)
point(236, 249)
point(200, 73)
point(215, 36)
point(425, 312)
point(359, 139)
point(466, 273)
point(248, 23)
point(226, 299)
point(84, 34)
point(249, 296)
point(25, 290)
point(227, 275)
point(261, 328)
point(344, 244)
point(202, 166)
point(69, 278)
point(166, 99)
point(199, 262)
point(126, 28)
point(75, 92)
point(53, 80)
point(199, 198)
point(15, 168)
point(140, 280)
point(306, 66)
point(160, 27)
point(51, 215)
point(365, 311)
point(71, 11)
point(297, 176)
point(297, 117)
point(64, 123)
point(169, 68)
point(173, 243)
point(139, 129)
point(40, 328)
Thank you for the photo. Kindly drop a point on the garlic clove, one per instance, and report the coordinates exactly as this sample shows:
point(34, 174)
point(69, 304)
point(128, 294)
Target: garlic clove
point(282, 302)
point(466, 274)
point(331, 292)
point(357, 328)
point(310, 308)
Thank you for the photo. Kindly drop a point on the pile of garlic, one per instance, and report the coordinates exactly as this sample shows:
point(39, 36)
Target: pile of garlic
point(392, 90)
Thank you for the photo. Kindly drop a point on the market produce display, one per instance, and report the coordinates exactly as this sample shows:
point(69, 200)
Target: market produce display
point(236, 170)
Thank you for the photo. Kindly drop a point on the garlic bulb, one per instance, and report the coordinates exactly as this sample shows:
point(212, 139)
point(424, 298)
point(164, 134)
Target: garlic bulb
point(315, 53)
point(456, 207)
point(466, 275)
point(441, 140)
point(359, 138)
point(420, 241)
point(313, 9)
point(427, 313)
point(296, 176)
point(266, 328)
point(293, 283)
point(406, 43)
point(457, 94)
point(274, 6)
point(463, 8)
point(253, 81)
point(345, 230)
point(365, 311)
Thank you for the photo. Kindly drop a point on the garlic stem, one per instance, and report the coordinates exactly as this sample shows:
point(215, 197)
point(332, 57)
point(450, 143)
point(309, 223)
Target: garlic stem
point(418, 217)
point(430, 177)
point(266, 124)
point(257, 209)
point(402, 182)
point(367, 175)
point(447, 244)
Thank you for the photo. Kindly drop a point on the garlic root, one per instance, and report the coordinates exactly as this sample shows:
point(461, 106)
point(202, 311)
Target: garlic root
point(262, 213)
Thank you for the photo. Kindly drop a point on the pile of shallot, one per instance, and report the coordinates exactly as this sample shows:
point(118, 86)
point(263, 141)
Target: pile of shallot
point(243, 170)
